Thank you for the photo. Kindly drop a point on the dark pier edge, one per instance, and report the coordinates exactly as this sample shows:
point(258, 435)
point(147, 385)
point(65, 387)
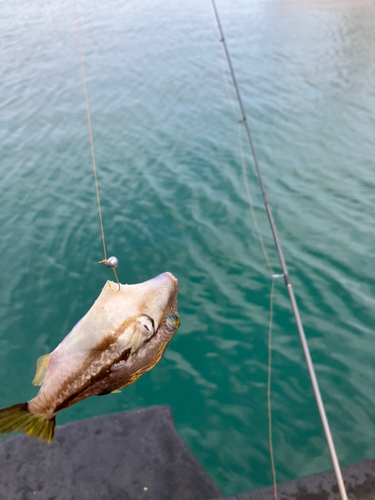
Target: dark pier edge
point(138, 455)
point(359, 480)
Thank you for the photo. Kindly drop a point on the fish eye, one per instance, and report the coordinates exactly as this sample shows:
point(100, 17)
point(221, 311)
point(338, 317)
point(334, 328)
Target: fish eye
point(172, 321)
point(148, 325)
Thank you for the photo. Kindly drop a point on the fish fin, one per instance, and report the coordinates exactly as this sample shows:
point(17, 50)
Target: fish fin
point(17, 418)
point(106, 391)
point(41, 368)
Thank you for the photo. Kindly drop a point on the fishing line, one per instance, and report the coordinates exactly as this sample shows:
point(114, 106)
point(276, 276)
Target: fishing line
point(78, 29)
point(270, 325)
point(239, 122)
point(66, 26)
point(269, 368)
point(250, 200)
point(269, 406)
point(285, 275)
point(112, 262)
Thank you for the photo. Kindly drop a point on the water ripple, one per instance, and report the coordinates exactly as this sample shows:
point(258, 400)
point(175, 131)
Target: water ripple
point(173, 198)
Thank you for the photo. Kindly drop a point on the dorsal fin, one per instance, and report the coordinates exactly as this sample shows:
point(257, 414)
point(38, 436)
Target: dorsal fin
point(41, 368)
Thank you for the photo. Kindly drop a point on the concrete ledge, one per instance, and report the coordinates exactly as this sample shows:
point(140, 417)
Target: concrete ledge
point(138, 455)
point(359, 481)
point(133, 455)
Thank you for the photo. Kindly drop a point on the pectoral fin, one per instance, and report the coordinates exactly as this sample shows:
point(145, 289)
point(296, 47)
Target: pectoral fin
point(41, 368)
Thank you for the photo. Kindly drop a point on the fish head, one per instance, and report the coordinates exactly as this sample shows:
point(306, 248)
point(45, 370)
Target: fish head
point(156, 304)
point(158, 299)
point(145, 311)
point(151, 321)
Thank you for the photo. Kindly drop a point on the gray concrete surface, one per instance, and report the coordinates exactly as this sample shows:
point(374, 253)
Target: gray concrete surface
point(134, 455)
point(138, 455)
point(359, 481)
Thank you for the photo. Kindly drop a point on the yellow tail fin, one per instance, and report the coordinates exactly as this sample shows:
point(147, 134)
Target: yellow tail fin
point(17, 418)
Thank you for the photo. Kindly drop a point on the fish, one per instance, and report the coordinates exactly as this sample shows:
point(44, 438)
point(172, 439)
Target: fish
point(122, 336)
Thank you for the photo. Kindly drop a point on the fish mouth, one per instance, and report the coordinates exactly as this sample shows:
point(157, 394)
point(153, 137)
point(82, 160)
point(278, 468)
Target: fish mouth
point(160, 318)
point(154, 345)
point(164, 289)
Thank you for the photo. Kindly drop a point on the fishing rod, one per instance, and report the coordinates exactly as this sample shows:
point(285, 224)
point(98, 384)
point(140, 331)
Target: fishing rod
point(285, 274)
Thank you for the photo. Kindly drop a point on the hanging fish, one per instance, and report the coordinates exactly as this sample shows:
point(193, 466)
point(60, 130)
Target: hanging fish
point(121, 337)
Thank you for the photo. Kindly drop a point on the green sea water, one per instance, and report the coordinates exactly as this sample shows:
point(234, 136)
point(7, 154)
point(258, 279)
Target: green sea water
point(173, 199)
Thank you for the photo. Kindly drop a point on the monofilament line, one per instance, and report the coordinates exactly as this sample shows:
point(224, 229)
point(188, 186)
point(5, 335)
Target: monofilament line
point(91, 139)
point(287, 281)
point(66, 26)
point(269, 406)
point(63, 28)
point(269, 367)
point(270, 324)
point(89, 122)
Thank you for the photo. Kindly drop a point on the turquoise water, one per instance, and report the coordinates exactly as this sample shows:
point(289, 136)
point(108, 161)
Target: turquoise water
point(173, 199)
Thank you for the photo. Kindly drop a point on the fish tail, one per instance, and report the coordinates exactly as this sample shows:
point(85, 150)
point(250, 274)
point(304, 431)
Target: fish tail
point(17, 418)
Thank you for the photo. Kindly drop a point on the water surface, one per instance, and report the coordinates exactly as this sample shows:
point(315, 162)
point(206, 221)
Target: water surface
point(173, 199)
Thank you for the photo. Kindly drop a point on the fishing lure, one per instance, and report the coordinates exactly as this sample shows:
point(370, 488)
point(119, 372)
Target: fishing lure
point(121, 337)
